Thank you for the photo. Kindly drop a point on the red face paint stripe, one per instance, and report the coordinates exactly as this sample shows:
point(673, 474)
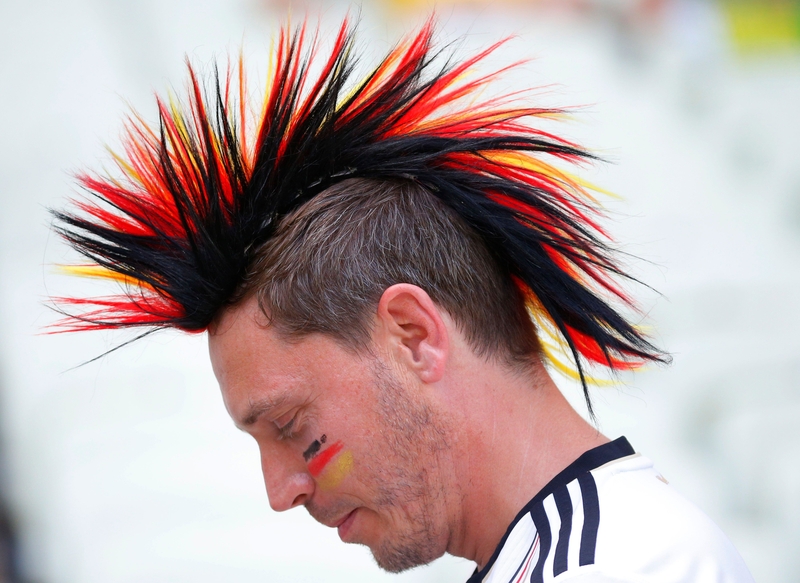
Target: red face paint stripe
point(323, 458)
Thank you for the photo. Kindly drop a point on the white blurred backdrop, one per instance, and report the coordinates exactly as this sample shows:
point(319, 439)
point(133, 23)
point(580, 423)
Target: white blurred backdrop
point(129, 470)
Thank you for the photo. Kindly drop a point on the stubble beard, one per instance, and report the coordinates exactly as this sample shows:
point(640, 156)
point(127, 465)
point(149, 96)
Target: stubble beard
point(414, 436)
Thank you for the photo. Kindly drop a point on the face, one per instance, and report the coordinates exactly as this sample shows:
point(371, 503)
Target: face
point(349, 437)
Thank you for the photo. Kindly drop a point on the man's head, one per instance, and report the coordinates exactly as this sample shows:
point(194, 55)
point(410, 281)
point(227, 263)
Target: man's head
point(368, 243)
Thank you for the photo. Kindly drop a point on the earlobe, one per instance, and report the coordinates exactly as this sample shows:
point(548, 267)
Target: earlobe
point(415, 329)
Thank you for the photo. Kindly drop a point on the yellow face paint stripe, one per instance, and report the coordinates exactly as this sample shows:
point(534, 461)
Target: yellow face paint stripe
point(336, 471)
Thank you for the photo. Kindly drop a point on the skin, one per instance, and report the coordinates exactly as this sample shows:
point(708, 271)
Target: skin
point(447, 446)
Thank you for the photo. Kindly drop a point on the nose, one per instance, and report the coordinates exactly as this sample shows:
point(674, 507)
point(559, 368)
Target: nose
point(288, 483)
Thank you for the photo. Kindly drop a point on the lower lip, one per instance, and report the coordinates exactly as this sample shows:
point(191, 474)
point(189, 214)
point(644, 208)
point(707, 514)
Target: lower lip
point(345, 526)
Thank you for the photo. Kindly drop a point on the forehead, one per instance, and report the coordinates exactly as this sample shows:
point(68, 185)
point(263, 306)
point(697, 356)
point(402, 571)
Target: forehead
point(255, 366)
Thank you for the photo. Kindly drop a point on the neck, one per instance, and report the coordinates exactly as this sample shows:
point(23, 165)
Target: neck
point(520, 433)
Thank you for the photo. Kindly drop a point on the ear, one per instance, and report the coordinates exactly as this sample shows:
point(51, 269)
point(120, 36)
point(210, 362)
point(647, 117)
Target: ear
point(414, 328)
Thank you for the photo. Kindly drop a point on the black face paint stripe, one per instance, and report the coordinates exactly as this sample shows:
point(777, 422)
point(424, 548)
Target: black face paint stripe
point(591, 519)
point(564, 505)
point(314, 448)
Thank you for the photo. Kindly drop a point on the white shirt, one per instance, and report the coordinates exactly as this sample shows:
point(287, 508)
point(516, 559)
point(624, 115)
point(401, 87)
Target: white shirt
point(610, 517)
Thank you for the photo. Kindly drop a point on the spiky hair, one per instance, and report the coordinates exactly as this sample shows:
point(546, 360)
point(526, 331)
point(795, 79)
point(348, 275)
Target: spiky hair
point(196, 197)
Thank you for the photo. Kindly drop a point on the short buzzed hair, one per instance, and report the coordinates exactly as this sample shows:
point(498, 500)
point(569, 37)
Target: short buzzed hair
point(330, 261)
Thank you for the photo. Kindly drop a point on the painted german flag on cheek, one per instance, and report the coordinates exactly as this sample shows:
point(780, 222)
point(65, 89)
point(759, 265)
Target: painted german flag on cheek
point(331, 466)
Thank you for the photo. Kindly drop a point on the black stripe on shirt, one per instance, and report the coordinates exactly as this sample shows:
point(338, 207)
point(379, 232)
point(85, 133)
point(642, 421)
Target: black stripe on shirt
point(564, 505)
point(542, 524)
point(591, 518)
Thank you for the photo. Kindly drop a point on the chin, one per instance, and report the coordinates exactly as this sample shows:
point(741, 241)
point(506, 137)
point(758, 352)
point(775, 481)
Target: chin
point(397, 556)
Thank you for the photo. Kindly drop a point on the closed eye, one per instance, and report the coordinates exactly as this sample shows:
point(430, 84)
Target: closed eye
point(285, 432)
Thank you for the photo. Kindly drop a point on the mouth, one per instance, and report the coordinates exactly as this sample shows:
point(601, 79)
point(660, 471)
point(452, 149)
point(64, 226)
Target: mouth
point(344, 524)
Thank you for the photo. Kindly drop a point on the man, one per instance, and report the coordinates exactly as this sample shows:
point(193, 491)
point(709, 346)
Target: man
point(384, 271)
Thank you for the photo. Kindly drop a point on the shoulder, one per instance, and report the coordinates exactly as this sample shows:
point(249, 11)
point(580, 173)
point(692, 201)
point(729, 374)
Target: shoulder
point(610, 517)
point(648, 531)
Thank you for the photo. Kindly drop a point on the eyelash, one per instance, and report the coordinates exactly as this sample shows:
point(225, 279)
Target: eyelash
point(286, 432)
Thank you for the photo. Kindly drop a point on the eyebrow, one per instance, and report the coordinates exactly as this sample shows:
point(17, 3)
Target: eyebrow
point(261, 407)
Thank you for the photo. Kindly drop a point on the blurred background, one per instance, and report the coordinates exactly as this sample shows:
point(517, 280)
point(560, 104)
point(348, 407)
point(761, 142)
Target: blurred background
point(128, 469)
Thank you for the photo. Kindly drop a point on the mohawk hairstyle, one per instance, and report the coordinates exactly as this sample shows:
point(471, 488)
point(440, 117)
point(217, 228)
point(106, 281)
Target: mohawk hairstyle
point(197, 196)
